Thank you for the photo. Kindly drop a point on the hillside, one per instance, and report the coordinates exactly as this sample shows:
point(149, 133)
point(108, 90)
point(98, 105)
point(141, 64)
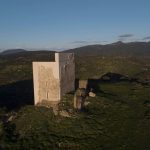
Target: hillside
point(118, 49)
point(117, 118)
point(18, 66)
point(12, 51)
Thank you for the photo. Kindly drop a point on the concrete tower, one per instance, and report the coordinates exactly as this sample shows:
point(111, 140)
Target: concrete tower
point(53, 79)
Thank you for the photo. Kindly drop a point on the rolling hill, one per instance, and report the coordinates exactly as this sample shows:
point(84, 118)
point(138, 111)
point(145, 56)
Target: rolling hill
point(12, 51)
point(117, 118)
point(118, 49)
point(115, 49)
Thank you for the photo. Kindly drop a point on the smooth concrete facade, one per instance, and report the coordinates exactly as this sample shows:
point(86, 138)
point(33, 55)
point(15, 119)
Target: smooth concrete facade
point(53, 79)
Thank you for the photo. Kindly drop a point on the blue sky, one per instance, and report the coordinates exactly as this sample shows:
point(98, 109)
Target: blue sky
point(62, 24)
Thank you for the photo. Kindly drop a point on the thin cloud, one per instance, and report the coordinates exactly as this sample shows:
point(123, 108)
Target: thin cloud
point(146, 38)
point(100, 42)
point(88, 42)
point(126, 35)
point(80, 42)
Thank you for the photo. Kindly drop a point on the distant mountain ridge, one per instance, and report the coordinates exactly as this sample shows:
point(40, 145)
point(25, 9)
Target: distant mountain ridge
point(12, 51)
point(115, 49)
point(118, 49)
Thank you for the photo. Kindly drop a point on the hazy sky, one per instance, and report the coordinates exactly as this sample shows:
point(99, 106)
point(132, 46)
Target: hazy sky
point(61, 24)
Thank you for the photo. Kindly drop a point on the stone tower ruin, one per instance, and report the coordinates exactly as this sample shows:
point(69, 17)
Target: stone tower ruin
point(53, 79)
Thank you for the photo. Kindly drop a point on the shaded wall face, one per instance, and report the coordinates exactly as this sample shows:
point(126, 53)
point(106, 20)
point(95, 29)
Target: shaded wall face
point(67, 73)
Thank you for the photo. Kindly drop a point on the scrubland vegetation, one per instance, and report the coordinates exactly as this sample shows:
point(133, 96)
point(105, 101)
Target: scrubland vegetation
point(118, 118)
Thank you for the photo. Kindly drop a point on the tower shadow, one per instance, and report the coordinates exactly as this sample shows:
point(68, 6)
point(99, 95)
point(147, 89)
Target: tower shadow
point(15, 95)
point(109, 77)
point(21, 93)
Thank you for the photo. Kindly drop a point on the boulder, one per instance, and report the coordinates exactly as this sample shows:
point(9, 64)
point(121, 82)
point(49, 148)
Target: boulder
point(86, 103)
point(91, 94)
point(64, 113)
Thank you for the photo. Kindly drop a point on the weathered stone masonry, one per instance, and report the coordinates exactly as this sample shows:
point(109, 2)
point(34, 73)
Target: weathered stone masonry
point(53, 79)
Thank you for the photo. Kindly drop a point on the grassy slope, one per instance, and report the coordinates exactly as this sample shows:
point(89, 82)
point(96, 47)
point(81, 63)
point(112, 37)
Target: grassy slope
point(118, 118)
point(96, 66)
point(18, 67)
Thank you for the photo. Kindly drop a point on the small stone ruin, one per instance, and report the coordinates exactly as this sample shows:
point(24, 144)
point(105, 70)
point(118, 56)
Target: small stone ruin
point(79, 98)
point(52, 80)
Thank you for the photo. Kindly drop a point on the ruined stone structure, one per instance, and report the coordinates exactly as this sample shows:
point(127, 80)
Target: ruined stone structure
point(79, 98)
point(83, 84)
point(53, 79)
